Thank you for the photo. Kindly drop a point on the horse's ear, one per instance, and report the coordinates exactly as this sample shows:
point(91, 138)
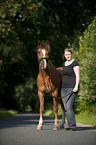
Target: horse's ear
point(48, 46)
point(39, 43)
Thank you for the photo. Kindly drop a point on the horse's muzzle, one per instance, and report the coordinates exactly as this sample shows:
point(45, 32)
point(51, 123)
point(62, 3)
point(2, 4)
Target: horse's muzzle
point(44, 63)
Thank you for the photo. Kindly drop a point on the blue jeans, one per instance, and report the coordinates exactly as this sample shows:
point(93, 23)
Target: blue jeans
point(68, 102)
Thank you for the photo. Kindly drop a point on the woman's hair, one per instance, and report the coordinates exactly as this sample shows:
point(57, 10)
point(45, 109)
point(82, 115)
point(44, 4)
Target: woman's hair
point(68, 50)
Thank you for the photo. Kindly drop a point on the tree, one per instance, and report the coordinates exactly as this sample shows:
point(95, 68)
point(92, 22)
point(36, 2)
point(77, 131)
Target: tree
point(22, 24)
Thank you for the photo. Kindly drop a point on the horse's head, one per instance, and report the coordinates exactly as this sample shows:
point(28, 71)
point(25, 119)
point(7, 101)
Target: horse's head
point(43, 50)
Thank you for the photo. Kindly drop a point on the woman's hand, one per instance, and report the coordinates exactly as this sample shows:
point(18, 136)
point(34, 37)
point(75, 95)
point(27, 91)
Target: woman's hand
point(75, 89)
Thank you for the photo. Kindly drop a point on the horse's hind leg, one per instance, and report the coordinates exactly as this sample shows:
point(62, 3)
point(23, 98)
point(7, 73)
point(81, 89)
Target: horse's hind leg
point(41, 98)
point(55, 108)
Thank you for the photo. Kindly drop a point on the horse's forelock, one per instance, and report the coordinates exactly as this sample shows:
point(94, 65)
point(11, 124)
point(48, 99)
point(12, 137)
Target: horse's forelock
point(44, 45)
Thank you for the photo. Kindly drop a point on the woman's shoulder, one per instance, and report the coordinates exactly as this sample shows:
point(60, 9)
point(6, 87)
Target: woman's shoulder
point(75, 63)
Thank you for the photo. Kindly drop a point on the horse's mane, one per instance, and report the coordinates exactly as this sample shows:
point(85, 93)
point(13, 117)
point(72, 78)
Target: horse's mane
point(53, 68)
point(54, 74)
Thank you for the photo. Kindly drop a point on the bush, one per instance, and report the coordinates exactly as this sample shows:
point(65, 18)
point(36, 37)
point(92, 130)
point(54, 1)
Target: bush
point(87, 60)
point(88, 77)
point(88, 40)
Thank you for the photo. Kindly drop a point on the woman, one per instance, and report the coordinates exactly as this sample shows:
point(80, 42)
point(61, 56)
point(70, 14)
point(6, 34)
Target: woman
point(70, 85)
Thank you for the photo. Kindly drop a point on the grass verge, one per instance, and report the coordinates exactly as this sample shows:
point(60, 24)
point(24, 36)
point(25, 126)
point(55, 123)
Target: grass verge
point(82, 117)
point(6, 113)
point(86, 118)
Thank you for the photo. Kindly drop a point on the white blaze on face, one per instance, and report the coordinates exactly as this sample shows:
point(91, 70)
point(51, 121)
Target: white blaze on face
point(45, 64)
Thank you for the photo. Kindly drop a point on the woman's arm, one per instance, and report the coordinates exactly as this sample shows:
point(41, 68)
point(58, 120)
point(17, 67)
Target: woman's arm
point(76, 70)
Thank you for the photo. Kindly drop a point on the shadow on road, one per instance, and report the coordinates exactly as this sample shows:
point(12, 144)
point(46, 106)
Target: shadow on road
point(86, 128)
point(24, 120)
point(31, 119)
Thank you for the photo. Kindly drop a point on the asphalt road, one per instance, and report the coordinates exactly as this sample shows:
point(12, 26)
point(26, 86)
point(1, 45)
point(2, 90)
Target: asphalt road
point(21, 130)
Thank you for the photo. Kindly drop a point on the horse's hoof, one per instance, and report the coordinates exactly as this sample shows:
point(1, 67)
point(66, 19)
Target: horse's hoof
point(55, 128)
point(39, 127)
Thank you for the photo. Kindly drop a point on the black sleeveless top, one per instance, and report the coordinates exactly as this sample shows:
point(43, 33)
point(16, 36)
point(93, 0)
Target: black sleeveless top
point(69, 78)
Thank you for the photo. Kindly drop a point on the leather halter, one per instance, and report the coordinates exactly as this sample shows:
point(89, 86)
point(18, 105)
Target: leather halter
point(43, 58)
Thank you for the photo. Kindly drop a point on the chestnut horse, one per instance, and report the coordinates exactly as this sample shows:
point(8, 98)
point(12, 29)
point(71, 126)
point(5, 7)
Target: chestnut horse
point(48, 82)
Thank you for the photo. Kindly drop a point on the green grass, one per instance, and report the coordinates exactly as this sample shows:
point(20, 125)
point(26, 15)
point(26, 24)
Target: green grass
point(6, 113)
point(85, 117)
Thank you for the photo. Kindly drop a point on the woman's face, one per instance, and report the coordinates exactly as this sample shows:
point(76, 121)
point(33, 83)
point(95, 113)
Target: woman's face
point(68, 55)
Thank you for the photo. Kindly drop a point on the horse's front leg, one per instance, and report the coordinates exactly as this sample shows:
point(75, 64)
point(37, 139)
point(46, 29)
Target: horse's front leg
point(55, 108)
point(41, 98)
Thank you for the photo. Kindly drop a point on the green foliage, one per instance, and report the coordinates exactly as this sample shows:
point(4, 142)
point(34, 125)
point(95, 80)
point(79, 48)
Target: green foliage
point(6, 113)
point(22, 24)
point(87, 60)
point(25, 94)
point(88, 77)
point(88, 40)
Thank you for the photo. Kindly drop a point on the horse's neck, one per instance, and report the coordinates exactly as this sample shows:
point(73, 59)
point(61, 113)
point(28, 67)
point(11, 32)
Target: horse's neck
point(51, 67)
point(53, 74)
